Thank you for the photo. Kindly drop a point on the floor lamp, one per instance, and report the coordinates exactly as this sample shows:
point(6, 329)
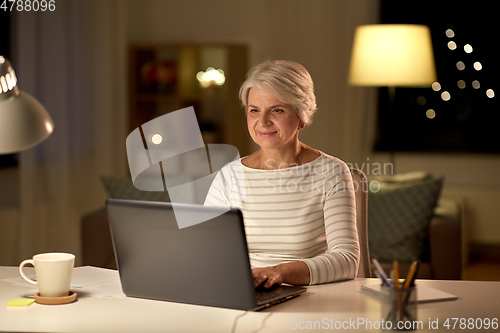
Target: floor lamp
point(24, 122)
point(392, 55)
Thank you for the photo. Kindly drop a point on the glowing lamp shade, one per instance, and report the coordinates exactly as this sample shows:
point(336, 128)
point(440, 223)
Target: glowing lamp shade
point(392, 55)
point(24, 122)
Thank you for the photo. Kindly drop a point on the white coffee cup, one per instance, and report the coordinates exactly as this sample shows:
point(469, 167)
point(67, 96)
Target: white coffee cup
point(53, 273)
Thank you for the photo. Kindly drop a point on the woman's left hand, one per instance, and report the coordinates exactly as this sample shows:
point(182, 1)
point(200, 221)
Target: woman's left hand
point(267, 276)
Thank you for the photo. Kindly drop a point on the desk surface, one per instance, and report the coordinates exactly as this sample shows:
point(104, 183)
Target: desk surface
point(325, 304)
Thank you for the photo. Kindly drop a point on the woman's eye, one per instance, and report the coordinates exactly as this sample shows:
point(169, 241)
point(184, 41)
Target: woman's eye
point(278, 111)
point(253, 111)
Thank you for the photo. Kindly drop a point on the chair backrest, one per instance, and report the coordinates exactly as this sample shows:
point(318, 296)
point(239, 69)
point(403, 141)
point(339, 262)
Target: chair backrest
point(361, 192)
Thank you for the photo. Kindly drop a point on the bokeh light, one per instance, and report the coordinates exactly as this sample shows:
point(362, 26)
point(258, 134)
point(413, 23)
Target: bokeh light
point(467, 48)
point(436, 86)
point(211, 76)
point(156, 139)
point(452, 45)
point(450, 33)
point(476, 84)
point(445, 96)
point(421, 100)
point(478, 66)
point(431, 114)
point(460, 66)
point(461, 84)
point(490, 93)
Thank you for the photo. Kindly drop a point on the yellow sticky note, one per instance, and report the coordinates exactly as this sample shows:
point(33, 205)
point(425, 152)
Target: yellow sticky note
point(20, 302)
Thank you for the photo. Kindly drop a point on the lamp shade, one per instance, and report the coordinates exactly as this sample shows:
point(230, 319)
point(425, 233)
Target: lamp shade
point(24, 122)
point(392, 55)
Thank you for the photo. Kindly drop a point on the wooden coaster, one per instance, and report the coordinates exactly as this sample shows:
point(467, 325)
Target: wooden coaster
point(55, 300)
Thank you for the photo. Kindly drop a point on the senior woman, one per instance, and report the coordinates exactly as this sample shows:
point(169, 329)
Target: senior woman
point(298, 203)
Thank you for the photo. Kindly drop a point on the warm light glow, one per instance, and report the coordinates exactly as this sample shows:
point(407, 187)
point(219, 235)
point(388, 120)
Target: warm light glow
point(211, 76)
point(421, 100)
point(445, 96)
point(460, 66)
point(48, 126)
point(4, 84)
point(430, 114)
point(490, 93)
point(9, 82)
point(436, 86)
point(13, 77)
point(450, 33)
point(452, 45)
point(2, 60)
point(476, 84)
point(478, 66)
point(156, 139)
point(392, 55)
point(461, 84)
point(468, 48)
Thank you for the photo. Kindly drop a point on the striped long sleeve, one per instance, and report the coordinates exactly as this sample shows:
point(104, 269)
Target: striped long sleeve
point(305, 212)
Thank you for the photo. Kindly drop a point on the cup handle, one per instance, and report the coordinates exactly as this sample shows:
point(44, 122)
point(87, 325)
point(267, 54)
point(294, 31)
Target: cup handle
point(27, 261)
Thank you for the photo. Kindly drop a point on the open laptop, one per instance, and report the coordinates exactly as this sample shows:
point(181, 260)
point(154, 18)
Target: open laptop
point(205, 264)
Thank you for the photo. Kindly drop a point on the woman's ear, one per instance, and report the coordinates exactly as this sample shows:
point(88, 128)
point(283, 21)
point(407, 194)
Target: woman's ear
point(301, 125)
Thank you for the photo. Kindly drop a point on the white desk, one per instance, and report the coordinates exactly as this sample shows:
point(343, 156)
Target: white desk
point(331, 302)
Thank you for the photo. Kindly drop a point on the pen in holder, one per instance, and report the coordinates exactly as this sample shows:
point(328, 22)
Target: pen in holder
point(399, 307)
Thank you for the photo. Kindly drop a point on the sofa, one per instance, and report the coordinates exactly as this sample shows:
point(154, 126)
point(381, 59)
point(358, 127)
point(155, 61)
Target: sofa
point(446, 245)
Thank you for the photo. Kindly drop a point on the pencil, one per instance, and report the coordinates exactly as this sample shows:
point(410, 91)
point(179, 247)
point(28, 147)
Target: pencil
point(411, 274)
point(395, 268)
point(379, 268)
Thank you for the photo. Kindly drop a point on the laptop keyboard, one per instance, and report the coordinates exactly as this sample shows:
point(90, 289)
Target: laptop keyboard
point(264, 296)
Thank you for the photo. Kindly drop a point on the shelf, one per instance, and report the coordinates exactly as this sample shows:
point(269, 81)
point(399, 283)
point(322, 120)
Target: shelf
point(172, 69)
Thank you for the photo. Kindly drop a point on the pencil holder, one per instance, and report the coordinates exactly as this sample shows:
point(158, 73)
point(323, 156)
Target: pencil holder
point(399, 308)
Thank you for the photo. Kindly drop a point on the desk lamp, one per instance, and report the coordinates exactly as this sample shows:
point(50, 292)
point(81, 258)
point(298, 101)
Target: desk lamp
point(390, 55)
point(24, 122)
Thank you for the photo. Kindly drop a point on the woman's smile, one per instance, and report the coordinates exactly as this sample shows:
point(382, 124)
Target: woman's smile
point(266, 134)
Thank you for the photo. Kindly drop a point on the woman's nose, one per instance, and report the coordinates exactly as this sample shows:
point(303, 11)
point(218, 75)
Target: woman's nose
point(265, 118)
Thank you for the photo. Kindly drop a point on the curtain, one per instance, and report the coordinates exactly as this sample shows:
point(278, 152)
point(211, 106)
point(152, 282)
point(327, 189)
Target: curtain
point(73, 60)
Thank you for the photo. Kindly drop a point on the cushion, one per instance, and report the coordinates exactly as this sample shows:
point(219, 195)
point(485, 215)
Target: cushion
point(399, 215)
point(123, 188)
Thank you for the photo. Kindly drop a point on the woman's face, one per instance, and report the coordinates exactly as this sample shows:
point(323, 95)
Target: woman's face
point(271, 123)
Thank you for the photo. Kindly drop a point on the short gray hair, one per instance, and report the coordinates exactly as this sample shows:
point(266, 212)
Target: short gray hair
point(289, 81)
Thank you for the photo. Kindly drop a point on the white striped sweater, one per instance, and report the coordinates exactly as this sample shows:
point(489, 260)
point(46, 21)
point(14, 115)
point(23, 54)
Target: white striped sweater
point(305, 212)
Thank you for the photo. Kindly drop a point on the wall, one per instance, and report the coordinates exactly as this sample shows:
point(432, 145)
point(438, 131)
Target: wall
point(318, 34)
